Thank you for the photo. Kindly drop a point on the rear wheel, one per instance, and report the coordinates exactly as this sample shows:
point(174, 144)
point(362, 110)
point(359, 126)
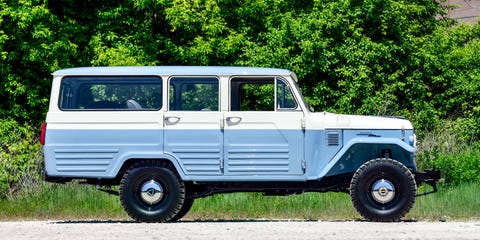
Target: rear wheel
point(187, 205)
point(152, 192)
point(383, 190)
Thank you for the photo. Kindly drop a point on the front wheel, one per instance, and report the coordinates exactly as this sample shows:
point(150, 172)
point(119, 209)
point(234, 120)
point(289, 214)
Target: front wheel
point(151, 193)
point(383, 190)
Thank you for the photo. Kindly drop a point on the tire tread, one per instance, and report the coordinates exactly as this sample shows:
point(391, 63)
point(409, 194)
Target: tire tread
point(147, 164)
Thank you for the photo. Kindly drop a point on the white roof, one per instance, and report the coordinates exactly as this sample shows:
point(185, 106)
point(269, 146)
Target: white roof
point(172, 70)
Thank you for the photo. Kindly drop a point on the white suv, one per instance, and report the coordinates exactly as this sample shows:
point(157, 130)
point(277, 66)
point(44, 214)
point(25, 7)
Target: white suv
point(168, 135)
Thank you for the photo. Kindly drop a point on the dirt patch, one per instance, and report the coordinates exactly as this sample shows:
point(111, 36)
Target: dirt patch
point(255, 229)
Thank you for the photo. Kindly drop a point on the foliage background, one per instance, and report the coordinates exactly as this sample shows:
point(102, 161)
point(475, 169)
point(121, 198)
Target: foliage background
point(375, 57)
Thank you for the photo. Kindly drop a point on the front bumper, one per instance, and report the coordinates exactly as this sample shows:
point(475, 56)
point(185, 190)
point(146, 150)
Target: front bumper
point(430, 177)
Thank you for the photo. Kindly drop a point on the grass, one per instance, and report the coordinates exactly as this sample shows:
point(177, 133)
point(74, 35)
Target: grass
point(71, 201)
point(308, 206)
point(455, 203)
point(79, 202)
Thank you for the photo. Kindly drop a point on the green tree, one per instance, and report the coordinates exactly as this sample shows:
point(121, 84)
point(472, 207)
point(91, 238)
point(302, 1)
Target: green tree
point(382, 57)
point(445, 72)
point(32, 45)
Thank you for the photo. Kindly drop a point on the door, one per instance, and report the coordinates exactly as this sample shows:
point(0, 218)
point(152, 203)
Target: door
point(192, 125)
point(263, 133)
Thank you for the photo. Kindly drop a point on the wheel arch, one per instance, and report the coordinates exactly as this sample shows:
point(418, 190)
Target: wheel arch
point(155, 160)
point(358, 151)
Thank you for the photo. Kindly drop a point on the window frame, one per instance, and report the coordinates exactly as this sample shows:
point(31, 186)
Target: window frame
point(78, 81)
point(284, 81)
point(206, 80)
point(260, 80)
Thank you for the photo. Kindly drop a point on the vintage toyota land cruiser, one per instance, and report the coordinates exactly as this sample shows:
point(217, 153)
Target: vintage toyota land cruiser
point(168, 135)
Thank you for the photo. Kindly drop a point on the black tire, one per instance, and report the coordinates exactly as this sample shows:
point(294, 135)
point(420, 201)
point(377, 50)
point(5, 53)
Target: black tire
point(383, 190)
point(187, 205)
point(163, 192)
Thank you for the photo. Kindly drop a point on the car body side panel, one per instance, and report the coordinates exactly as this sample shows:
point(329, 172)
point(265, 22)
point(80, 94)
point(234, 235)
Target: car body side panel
point(101, 153)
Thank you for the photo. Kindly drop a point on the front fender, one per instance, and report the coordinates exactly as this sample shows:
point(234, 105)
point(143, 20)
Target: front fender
point(360, 150)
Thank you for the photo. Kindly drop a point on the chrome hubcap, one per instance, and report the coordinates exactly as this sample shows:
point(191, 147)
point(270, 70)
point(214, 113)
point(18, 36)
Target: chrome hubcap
point(383, 191)
point(151, 192)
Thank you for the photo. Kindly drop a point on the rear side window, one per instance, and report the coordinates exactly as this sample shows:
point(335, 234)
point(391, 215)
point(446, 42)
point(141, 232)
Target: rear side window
point(111, 93)
point(193, 94)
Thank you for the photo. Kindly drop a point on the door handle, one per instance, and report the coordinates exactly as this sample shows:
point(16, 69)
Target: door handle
point(172, 119)
point(234, 120)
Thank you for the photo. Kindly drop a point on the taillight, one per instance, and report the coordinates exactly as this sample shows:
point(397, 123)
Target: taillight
point(42, 134)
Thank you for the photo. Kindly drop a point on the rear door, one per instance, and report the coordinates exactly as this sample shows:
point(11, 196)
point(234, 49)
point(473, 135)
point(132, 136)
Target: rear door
point(263, 129)
point(192, 125)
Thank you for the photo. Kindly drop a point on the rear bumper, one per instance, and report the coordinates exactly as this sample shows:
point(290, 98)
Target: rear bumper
point(47, 178)
point(430, 177)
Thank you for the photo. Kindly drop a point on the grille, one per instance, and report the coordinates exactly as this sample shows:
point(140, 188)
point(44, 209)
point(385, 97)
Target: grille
point(333, 138)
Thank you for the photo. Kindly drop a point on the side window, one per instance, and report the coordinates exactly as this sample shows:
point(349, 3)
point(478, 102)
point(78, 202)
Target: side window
point(193, 94)
point(285, 98)
point(111, 93)
point(252, 94)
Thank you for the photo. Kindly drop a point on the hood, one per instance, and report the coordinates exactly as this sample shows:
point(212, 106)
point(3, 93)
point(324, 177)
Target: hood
point(342, 121)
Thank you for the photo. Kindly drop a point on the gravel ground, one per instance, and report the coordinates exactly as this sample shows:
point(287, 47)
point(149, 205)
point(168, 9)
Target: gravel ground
point(255, 229)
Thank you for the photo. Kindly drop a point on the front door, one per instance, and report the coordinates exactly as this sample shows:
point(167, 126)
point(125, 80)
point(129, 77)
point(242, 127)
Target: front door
point(263, 129)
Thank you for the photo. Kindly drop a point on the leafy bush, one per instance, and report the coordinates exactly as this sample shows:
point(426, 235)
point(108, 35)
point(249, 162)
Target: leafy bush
point(457, 168)
point(375, 57)
point(20, 157)
point(452, 148)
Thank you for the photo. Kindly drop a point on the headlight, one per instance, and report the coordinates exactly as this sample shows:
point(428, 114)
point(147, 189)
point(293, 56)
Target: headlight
point(412, 140)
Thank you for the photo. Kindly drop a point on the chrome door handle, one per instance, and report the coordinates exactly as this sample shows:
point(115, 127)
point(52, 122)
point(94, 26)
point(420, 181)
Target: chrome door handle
point(234, 120)
point(172, 119)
